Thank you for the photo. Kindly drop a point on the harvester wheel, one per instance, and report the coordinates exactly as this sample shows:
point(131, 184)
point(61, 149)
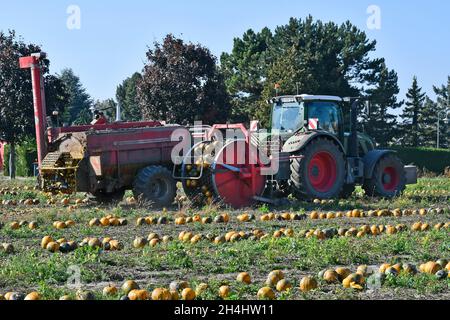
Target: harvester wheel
point(156, 186)
point(388, 178)
point(107, 198)
point(320, 172)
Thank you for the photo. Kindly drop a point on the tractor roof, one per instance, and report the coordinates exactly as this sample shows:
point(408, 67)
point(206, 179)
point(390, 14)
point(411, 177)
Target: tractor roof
point(309, 97)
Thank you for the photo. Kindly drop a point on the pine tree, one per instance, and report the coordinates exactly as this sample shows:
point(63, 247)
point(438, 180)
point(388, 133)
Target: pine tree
point(428, 123)
point(380, 123)
point(443, 110)
point(80, 102)
point(410, 128)
point(126, 95)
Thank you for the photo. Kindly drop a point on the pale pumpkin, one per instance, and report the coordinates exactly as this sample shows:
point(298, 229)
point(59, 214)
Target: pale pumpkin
point(266, 293)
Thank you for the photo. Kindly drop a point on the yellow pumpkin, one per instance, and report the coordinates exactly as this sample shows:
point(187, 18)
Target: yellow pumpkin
point(417, 226)
point(384, 267)
point(109, 291)
point(343, 273)
point(139, 243)
point(314, 215)
point(330, 276)
point(362, 270)
point(425, 227)
point(355, 278)
point(188, 294)
point(266, 293)
point(94, 222)
point(128, 286)
point(61, 225)
point(244, 277)
point(308, 284)
point(283, 285)
point(45, 241)
point(224, 292)
point(32, 225)
point(53, 246)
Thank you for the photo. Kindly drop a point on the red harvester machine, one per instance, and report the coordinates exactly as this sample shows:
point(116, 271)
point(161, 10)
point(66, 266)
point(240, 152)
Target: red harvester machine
point(102, 159)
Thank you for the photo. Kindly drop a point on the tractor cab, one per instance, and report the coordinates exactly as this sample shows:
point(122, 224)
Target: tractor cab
point(291, 114)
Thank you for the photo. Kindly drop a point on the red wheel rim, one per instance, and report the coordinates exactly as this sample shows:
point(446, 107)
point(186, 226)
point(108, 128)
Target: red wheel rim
point(390, 179)
point(322, 171)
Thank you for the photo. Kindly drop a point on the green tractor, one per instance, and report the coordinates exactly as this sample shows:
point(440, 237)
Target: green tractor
point(321, 159)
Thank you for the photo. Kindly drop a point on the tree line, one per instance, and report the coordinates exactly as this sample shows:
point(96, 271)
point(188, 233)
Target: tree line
point(182, 82)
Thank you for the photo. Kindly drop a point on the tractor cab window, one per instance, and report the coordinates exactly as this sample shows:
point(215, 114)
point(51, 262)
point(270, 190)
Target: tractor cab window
point(287, 117)
point(328, 114)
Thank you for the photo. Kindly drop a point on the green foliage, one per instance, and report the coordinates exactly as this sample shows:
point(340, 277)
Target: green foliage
point(442, 108)
point(126, 95)
point(181, 83)
point(79, 103)
point(380, 124)
point(26, 155)
point(306, 56)
point(434, 160)
point(412, 114)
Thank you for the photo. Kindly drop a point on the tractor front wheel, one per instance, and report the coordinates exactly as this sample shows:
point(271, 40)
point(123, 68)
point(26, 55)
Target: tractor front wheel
point(155, 186)
point(388, 178)
point(319, 172)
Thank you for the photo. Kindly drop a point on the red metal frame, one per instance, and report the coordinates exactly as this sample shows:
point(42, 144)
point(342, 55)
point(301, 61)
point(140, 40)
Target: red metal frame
point(33, 62)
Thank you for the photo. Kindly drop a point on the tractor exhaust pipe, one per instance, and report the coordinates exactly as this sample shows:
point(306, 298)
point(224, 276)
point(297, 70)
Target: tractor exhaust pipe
point(33, 62)
point(353, 139)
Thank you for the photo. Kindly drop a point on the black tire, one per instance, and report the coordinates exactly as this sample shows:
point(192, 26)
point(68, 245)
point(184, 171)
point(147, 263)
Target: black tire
point(108, 198)
point(347, 191)
point(388, 178)
point(305, 170)
point(156, 186)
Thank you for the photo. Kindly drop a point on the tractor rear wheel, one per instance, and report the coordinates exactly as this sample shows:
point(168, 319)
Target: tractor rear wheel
point(156, 186)
point(320, 172)
point(388, 178)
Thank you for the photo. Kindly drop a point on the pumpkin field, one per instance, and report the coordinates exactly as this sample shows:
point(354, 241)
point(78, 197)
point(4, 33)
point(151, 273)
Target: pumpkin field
point(59, 247)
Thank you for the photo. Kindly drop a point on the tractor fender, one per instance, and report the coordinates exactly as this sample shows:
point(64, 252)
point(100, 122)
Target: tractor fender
point(371, 159)
point(301, 139)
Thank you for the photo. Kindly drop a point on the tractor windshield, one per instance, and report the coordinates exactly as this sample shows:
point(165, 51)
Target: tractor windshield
point(287, 118)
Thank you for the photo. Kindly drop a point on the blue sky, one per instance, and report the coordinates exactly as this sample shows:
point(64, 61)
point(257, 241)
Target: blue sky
point(111, 44)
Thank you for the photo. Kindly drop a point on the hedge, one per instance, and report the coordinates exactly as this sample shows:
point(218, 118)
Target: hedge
point(26, 155)
point(434, 160)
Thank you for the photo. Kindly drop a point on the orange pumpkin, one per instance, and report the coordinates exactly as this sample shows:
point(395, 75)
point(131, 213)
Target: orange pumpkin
point(33, 296)
point(244, 277)
point(160, 294)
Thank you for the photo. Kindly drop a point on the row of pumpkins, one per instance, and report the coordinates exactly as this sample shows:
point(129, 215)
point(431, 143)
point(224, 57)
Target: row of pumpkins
point(356, 213)
point(189, 237)
point(275, 282)
point(63, 245)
